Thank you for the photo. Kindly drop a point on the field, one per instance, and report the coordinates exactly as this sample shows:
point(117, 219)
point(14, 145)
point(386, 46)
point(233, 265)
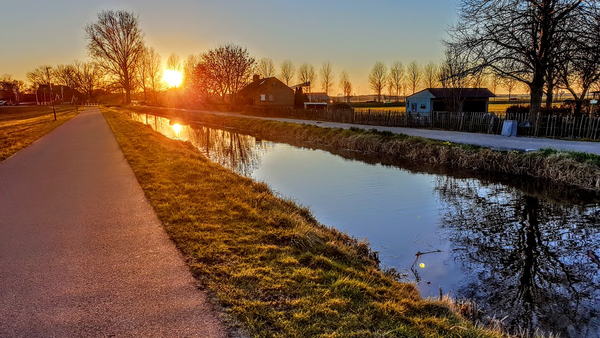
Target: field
point(494, 107)
point(21, 126)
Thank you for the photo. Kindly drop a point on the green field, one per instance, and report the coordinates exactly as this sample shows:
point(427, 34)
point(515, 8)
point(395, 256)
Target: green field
point(499, 107)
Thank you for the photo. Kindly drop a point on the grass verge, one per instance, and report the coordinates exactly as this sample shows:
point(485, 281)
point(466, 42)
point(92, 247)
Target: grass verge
point(268, 262)
point(574, 169)
point(18, 128)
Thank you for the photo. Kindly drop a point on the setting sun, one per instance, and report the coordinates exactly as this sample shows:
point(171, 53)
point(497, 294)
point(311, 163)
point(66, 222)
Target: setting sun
point(172, 77)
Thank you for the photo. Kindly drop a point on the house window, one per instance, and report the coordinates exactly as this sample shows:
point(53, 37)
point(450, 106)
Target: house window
point(271, 97)
point(263, 97)
point(423, 106)
point(413, 106)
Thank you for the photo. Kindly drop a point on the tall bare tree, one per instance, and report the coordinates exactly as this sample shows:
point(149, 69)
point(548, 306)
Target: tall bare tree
point(326, 76)
point(224, 71)
point(287, 71)
point(65, 75)
point(37, 77)
point(346, 85)
point(414, 75)
point(265, 68)
point(521, 39)
point(509, 83)
point(377, 78)
point(189, 67)
point(116, 43)
point(396, 77)
point(89, 78)
point(306, 74)
point(431, 75)
point(174, 62)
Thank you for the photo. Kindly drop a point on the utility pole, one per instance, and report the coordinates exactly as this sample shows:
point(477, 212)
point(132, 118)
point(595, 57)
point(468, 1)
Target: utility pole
point(50, 86)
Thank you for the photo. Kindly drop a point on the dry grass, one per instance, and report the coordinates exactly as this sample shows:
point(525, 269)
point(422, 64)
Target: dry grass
point(268, 262)
point(21, 126)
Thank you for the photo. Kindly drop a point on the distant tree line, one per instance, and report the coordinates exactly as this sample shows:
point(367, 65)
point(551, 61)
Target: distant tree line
point(543, 45)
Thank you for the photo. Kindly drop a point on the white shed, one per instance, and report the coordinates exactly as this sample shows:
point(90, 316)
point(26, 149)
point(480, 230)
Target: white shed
point(440, 99)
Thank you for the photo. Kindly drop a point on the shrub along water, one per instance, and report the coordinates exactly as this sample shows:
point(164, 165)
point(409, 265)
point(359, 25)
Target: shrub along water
point(575, 169)
point(268, 262)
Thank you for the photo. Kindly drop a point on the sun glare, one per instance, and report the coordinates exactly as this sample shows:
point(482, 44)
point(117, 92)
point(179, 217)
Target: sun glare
point(172, 77)
point(177, 128)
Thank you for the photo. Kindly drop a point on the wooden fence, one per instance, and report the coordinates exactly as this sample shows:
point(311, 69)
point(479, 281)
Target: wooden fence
point(549, 126)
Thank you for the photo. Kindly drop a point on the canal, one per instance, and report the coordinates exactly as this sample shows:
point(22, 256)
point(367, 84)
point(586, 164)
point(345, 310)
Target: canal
point(527, 256)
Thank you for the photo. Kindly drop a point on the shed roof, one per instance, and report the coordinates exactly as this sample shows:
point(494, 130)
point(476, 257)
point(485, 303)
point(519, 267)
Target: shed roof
point(471, 93)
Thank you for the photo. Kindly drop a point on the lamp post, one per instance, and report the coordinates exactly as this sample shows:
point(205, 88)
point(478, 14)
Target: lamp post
point(50, 86)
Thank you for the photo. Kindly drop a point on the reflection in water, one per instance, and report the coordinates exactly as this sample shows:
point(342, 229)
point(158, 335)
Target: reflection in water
point(237, 152)
point(523, 256)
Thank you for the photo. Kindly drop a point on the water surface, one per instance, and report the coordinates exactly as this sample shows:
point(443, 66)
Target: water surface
point(522, 256)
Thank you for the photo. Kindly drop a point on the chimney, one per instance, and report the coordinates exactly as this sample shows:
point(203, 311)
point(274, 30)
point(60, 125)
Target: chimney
point(256, 78)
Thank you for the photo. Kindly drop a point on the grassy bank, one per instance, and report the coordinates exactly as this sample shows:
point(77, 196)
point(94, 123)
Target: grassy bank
point(580, 170)
point(268, 262)
point(21, 126)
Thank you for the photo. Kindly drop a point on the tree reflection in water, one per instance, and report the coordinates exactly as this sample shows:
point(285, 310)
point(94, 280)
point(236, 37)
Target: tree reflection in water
point(237, 152)
point(525, 259)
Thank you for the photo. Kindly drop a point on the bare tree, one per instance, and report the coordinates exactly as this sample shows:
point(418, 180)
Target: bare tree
point(116, 43)
point(582, 68)
point(174, 62)
point(455, 76)
point(414, 75)
point(287, 71)
point(495, 81)
point(521, 39)
point(377, 78)
point(509, 83)
point(65, 75)
point(346, 85)
point(307, 74)
point(396, 77)
point(265, 68)
point(9, 84)
point(224, 71)
point(326, 76)
point(431, 75)
point(89, 78)
point(189, 67)
point(37, 77)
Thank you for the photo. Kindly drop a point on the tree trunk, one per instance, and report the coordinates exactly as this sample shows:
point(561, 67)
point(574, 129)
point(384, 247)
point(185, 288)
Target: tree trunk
point(537, 94)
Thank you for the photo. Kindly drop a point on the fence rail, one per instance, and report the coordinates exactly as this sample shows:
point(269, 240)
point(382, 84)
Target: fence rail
point(549, 126)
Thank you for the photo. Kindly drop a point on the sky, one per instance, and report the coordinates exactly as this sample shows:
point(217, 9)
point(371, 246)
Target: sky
point(351, 34)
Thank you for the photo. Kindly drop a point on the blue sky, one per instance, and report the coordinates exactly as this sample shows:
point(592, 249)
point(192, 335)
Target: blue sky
point(351, 34)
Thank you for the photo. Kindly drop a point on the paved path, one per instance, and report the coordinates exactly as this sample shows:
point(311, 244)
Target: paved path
point(496, 142)
point(82, 253)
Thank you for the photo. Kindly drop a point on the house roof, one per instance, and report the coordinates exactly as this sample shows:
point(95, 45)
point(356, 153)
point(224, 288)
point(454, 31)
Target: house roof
point(304, 84)
point(254, 85)
point(318, 97)
point(440, 93)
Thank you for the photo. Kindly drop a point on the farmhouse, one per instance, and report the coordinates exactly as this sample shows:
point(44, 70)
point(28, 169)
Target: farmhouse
point(268, 92)
point(449, 99)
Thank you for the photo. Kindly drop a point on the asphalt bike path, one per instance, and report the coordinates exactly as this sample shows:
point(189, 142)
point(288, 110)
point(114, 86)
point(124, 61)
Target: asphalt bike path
point(82, 253)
